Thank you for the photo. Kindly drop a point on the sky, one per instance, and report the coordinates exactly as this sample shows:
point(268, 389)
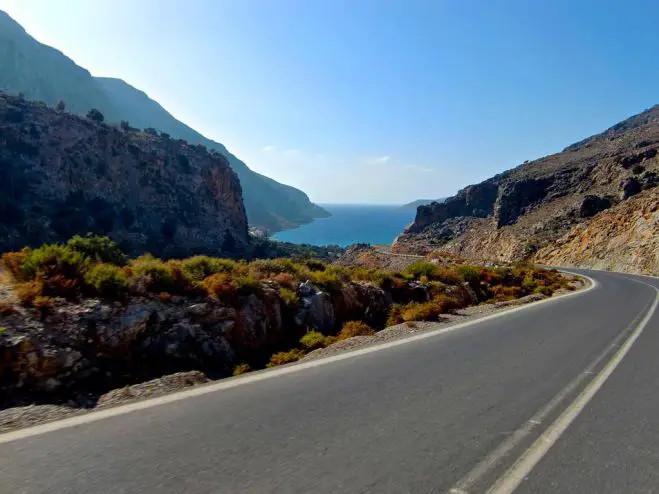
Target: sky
point(371, 101)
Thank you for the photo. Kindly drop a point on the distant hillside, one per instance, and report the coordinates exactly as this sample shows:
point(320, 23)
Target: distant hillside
point(594, 204)
point(45, 74)
point(420, 202)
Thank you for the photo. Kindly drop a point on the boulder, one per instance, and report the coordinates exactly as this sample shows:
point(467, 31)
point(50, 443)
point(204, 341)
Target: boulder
point(316, 309)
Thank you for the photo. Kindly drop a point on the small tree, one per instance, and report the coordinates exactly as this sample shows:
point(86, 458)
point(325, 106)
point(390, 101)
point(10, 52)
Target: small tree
point(95, 115)
point(60, 106)
point(125, 125)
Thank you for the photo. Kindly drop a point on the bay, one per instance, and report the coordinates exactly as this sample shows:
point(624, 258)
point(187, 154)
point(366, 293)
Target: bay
point(352, 223)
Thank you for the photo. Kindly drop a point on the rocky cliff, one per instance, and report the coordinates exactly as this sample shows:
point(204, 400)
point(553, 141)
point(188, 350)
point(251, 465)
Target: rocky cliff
point(43, 73)
point(522, 213)
point(61, 174)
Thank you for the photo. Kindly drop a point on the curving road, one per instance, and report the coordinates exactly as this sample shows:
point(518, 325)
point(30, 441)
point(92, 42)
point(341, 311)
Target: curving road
point(558, 397)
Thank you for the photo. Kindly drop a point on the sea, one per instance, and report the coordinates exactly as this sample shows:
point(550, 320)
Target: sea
point(352, 223)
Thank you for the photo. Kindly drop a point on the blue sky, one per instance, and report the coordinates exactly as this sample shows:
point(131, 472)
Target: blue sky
point(371, 101)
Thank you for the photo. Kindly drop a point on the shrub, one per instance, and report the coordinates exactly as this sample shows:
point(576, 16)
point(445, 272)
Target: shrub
point(502, 292)
point(14, 261)
point(421, 268)
point(315, 265)
point(247, 285)
point(199, 267)
point(157, 275)
point(529, 283)
point(106, 280)
point(60, 106)
point(395, 315)
point(355, 328)
point(329, 280)
point(96, 248)
point(95, 115)
point(285, 280)
point(283, 358)
point(265, 268)
point(289, 297)
point(469, 274)
point(314, 340)
point(52, 260)
point(219, 286)
point(447, 276)
point(241, 369)
point(27, 292)
point(422, 311)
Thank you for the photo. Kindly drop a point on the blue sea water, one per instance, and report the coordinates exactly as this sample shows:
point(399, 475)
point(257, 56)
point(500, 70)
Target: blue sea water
point(349, 224)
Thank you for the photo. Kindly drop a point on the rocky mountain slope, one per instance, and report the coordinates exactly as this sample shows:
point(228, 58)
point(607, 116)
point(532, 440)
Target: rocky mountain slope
point(44, 74)
point(556, 209)
point(61, 174)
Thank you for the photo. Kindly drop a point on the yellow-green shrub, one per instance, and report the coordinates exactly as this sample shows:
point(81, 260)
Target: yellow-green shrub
point(241, 369)
point(282, 358)
point(199, 267)
point(106, 280)
point(289, 297)
point(314, 340)
point(355, 328)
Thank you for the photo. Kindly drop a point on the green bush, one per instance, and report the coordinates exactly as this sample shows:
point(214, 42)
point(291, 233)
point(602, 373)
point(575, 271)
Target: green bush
point(469, 274)
point(54, 270)
point(199, 267)
point(100, 249)
point(289, 297)
point(314, 340)
point(106, 280)
point(421, 268)
point(157, 275)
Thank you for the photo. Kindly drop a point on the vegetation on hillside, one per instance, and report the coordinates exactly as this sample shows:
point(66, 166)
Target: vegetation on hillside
point(95, 267)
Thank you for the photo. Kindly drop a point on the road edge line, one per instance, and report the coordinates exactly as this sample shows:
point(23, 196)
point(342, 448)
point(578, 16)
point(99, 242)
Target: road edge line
point(525, 464)
point(265, 374)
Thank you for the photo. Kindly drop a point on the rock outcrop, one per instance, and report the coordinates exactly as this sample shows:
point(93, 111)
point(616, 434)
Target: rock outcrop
point(514, 215)
point(43, 73)
point(88, 347)
point(624, 238)
point(61, 175)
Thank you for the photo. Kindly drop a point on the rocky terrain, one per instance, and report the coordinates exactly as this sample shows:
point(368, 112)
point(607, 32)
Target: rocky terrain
point(61, 174)
point(45, 74)
point(551, 209)
point(79, 319)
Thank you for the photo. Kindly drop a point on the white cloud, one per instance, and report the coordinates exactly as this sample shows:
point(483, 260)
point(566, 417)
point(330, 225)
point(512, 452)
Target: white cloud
point(376, 160)
point(269, 149)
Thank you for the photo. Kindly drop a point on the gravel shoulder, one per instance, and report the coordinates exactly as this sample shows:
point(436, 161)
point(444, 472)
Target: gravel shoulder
point(31, 415)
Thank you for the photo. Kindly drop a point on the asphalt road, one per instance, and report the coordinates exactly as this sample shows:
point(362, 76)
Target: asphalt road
point(459, 412)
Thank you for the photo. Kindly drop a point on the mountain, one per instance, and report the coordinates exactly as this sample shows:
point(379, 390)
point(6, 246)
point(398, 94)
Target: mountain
point(593, 204)
point(45, 74)
point(61, 174)
point(420, 202)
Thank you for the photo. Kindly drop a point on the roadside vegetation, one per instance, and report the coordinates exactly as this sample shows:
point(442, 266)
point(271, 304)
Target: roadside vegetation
point(95, 267)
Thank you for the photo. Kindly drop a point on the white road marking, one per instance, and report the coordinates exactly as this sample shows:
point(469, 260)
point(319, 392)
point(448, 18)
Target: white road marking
point(495, 457)
point(510, 480)
point(268, 373)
